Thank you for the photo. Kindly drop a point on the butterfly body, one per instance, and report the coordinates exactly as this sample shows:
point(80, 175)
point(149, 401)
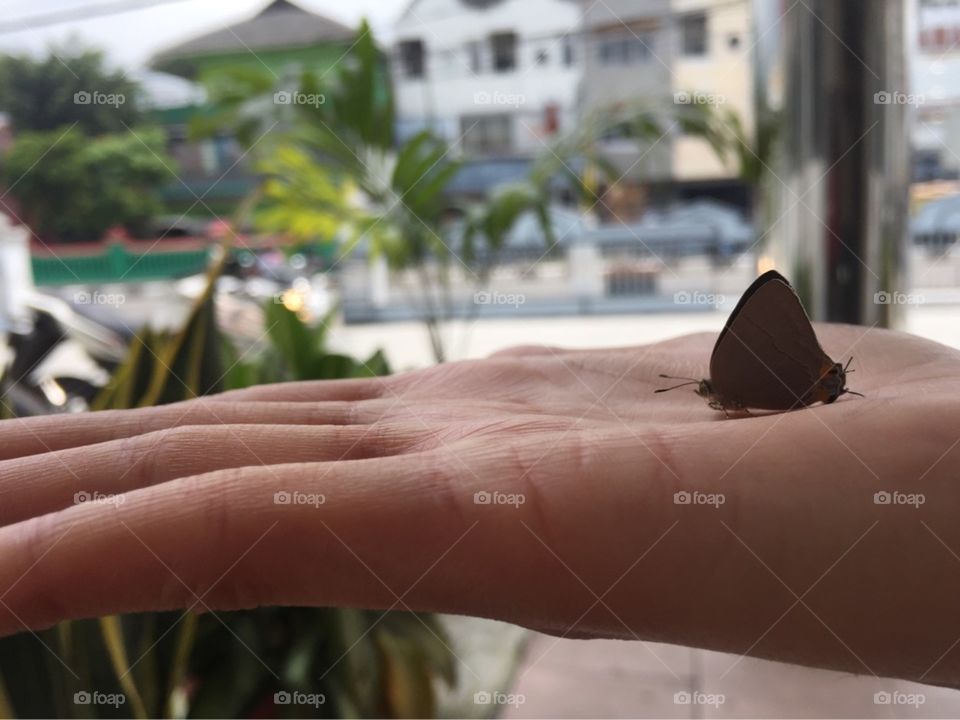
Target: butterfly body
point(768, 357)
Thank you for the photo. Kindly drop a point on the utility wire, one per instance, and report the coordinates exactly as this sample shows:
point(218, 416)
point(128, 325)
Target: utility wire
point(87, 12)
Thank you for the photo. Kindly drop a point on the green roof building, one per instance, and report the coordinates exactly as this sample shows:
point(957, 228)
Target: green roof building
point(280, 35)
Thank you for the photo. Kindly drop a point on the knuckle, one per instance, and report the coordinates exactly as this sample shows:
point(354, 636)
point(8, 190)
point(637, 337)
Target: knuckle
point(160, 455)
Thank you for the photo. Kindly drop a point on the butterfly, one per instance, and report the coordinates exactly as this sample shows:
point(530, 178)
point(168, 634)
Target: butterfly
point(768, 357)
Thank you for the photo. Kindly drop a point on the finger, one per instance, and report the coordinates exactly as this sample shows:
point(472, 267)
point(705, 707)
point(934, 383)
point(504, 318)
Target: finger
point(47, 482)
point(311, 391)
point(23, 437)
point(403, 532)
point(221, 541)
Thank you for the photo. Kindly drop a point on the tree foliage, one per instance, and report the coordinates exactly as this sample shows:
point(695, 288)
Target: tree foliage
point(66, 87)
point(70, 187)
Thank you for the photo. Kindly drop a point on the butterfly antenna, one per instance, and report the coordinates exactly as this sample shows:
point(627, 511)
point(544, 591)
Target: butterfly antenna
point(846, 368)
point(854, 392)
point(688, 381)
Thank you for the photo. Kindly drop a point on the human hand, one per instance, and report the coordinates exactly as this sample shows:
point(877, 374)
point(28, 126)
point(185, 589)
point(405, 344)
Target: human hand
point(782, 551)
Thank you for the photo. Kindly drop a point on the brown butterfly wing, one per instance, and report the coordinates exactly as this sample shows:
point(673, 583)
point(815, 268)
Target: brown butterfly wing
point(768, 356)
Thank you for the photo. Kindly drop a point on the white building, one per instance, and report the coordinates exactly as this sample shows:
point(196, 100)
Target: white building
point(496, 78)
point(713, 60)
point(935, 89)
point(663, 54)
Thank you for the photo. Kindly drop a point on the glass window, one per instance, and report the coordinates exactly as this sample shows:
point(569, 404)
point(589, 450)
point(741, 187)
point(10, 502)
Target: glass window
point(412, 58)
point(625, 47)
point(486, 134)
point(504, 47)
point(569, 51)
point(693, 33)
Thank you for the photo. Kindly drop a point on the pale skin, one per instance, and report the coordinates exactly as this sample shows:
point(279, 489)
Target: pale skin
point(798, 563)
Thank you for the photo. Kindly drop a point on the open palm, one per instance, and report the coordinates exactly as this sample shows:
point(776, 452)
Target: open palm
point(548, 488)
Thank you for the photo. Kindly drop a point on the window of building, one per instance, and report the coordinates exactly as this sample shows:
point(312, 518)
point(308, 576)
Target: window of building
point(412, 56)
point(569, 51)
point(475, 57)
point(693, 34)
point(504, 49)
point(624, 47)
point(486, 134)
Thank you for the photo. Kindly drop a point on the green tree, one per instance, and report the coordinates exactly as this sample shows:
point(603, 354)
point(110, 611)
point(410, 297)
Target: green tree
point(66, 87)
point(70, 187)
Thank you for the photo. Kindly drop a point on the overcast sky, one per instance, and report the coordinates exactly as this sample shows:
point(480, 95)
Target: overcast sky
point(130, 38)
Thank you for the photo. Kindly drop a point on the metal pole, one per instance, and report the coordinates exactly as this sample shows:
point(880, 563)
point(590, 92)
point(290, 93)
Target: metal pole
point(836, 224)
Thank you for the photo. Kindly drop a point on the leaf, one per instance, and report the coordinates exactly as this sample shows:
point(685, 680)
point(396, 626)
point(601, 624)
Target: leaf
point(407, 684)
point(113, 639)
point(183, 648)
point(6, 709)
point(161, 370)
point(294, 341)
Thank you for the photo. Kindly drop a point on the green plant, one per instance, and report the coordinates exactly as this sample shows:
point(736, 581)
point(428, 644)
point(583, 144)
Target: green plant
point(333, 172)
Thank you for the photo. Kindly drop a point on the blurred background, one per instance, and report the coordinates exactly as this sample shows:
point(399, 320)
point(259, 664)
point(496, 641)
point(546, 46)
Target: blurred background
point(198, 195)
